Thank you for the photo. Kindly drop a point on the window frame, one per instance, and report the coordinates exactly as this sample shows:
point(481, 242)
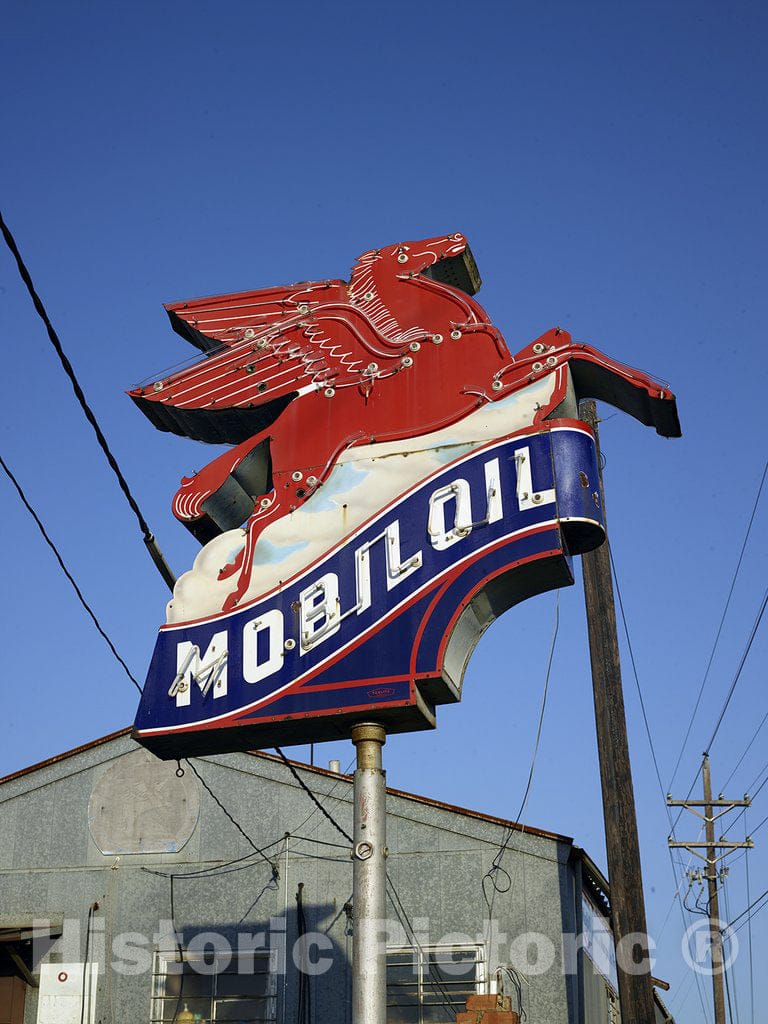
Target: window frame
point(162, 958)
point(422, 954)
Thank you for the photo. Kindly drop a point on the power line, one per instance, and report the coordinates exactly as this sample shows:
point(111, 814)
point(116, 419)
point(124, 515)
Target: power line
point(752, 635)
point(687, 796)
point(312, 796)
point(91, 911)
point(759, 825)
point(238, 826)
point(231, 867)
point(67, 573)
point(719, 628)
point(149, 540)
point(752, 783)
point(730, 970)
point(747, 748)
point(728, 994)
point(328, 795)
point(743, 812)
point(748, 910)
point(637, 682)
point(681, 902)
point(496, 871)
point(397, 904)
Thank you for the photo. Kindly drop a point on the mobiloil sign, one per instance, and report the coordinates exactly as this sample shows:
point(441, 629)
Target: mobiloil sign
point(397, 480)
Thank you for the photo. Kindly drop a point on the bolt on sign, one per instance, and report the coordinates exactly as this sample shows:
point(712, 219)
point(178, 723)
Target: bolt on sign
point(396, 480)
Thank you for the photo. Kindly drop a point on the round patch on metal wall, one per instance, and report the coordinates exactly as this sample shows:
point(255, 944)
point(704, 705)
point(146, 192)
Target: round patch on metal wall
point(141, 806)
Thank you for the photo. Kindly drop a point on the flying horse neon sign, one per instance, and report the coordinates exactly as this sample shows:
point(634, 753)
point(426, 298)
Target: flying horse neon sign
point(398, 480)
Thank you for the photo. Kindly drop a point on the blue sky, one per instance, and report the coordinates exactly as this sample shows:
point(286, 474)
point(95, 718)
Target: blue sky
point(608, 164)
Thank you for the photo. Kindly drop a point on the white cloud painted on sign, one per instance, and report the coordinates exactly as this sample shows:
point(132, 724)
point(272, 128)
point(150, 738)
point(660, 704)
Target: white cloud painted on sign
point(364, 481)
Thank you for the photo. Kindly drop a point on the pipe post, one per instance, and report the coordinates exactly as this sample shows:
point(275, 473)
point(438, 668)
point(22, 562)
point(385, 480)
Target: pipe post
point(369, 877)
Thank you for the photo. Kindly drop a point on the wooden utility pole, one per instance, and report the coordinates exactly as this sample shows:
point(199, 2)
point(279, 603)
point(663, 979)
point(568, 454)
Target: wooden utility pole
point(715, 852)
point(621, 840)
point(715, 938)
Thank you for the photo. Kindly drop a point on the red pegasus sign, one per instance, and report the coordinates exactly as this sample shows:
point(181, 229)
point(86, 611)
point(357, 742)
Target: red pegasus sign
point(397, 481)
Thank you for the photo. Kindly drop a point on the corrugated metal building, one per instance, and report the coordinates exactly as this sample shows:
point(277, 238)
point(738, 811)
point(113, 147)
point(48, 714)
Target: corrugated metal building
point(128, 893)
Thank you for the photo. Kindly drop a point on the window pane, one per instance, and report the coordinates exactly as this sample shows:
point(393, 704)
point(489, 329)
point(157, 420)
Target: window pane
point(171, 1007)
point(453, 965)
point(402, 974)
point(256, 962)
point(242, 985)
point(403, 995)
point(403, 1015)
point(244, 1011)
point(440, 1012)
point(190, 983)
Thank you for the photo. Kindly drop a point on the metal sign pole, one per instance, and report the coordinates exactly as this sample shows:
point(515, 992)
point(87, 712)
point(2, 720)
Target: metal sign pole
point(369, 878)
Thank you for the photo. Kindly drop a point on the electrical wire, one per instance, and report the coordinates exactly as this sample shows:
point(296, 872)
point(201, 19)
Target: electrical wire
point(149, 540)
point(746, 750)
point(405, 921)
point(648, 733)
point(238, 826)
point(304, 1010)
point(728, 994)
point(91, 911)
point(687, 796)
point(312, 796)
point(224, 868)
point(751, 786)
point(271, 884)
point(180, 949)
point(394, 897)
point(742, 661)
point(346, 835)
point(697, 907)
point(329, 794)
point(496, 871)
point(742, 812)
point(246, 861)
point(38, 522)
point(719, 628)
point(748, 910)
point(747, 649)
point(676, 895)
point(672, 824)
point(733, 1013)
point(517, 984)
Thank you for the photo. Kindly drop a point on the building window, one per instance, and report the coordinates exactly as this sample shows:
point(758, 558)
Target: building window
point(214, 988)
point(598, 943)
point(431, 983)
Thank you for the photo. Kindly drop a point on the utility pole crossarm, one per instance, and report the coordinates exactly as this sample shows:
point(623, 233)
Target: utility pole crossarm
point(712, 846)
point(720, 802)
point(708, 816)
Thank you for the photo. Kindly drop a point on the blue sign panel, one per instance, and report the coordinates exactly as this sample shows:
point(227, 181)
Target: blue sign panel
point(384, 622)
